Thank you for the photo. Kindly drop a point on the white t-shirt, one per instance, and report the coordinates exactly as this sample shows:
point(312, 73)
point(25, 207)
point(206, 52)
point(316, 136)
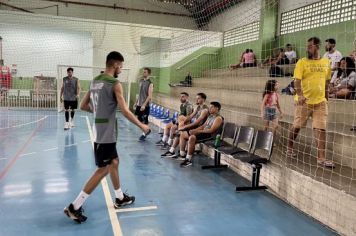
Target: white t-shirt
point(291, 55)
point(334, 57)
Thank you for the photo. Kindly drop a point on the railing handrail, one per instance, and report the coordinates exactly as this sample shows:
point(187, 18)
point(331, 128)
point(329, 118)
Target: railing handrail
point(195, 58)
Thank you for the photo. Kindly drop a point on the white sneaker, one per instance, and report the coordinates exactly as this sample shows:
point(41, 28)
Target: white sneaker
point(66, 126)
point(72, 124)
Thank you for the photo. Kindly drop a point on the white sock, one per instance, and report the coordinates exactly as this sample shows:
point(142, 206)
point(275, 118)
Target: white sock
point(170, 141)
point(79, 201)
point(189, 157)
point(165, 138)
point(143, 134)
point(182, 153)
point(172, 150)
point(119, 194)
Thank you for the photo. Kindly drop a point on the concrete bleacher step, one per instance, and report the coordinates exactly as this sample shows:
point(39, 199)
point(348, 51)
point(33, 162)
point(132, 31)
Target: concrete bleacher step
point(341, 141)
point(340, 111)
point(248, 72)
point(238, 83)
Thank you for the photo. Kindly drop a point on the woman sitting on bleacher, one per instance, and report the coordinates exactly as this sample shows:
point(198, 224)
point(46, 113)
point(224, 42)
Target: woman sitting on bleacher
point(343, 86)
point(208, 130)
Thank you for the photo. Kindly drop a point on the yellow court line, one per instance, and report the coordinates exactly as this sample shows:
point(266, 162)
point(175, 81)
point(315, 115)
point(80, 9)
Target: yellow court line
point(137, 209)
point(104, 184)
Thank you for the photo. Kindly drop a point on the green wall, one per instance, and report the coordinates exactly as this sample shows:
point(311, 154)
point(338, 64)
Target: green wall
point(344, 33)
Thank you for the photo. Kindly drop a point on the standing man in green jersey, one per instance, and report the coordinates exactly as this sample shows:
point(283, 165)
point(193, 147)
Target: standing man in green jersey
point(142, 104)
point(69, 95)
point(102, 100)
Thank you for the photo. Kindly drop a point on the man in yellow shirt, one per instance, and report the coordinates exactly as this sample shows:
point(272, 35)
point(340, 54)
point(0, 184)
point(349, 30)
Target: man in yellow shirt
point(312, 77)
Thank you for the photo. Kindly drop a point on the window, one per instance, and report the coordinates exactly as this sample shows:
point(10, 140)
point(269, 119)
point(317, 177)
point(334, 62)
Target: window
point(242, 34)
point(318, 14)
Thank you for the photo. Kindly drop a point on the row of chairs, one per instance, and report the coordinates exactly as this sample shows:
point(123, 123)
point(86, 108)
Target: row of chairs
point(163, 115)
point(243, 145)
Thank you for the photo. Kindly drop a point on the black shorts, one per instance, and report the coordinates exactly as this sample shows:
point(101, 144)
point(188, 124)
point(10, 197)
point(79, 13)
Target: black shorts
point(104, 153)
point(70, 104)
point(142, 116)
point(203, 137)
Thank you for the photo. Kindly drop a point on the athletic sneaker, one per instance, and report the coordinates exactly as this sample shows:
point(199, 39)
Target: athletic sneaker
point(72, 124)
point(160, 143)
point(66, 126)
point(127, 200)
point(76, 215)
point(168, 154)
point(186, 163)
point(143, 136)
point(165, 147)
point(178, 157)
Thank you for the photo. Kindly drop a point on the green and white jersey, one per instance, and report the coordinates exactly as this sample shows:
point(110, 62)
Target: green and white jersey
point(70, 86)
point(104, 104)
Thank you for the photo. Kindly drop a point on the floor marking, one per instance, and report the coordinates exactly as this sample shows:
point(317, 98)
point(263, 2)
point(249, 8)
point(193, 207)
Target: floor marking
point(26, 154)
point(137, 209)
point(104, 184)
point(28, 123)
point(70, 145)
point(18, 153)
point(86, 141)
point(50, 149)
point(3, 158)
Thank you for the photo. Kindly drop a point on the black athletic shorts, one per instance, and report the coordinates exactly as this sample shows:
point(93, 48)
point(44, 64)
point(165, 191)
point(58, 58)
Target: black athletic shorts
point(202, 137)
point(142, 116)
point(104, 153)
point(70, 104)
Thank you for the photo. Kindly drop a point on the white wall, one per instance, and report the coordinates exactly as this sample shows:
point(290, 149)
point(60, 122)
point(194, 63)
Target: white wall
point(286, 5)
point(107, 14)
point(241, 14)
point(38, 51)
point(122, 37)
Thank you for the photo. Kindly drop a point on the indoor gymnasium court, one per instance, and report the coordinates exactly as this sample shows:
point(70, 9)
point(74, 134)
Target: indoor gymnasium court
point(177, 117)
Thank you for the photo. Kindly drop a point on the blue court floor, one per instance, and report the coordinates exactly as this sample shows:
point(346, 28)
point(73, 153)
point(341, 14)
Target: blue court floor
point(43, 168)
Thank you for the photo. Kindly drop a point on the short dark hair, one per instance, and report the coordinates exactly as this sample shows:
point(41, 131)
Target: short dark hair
point(70, 69)
point(184, 93)
point(216, 104)
point(148, 69)
point(202, 95)
point(315, 40)
point(113, 57)
point(331, 41)
point(289, 45)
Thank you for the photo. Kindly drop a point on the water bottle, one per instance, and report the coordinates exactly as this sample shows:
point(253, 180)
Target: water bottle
point(217, 141)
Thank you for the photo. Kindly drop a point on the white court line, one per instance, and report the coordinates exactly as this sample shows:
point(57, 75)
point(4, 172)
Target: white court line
point(137, 209)
point(50, 149)
point(28, 123)
point(86, 141)
point(3, 158)
point(27, 154)
point(104, 184)
point(70, 145)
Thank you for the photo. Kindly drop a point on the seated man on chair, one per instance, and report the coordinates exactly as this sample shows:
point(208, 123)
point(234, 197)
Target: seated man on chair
point(186, 109)
point(212, 126)
point(194, 120)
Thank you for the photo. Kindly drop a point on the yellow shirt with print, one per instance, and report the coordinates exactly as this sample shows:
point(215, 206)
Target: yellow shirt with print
point(313, 75)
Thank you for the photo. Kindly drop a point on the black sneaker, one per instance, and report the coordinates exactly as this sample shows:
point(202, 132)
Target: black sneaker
point(165, 146)
point(160, 143)
point(142, 138)
point(76, 215)
point(186, 163)
point(127, 200)
point(178, 157)
point(168, 154)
